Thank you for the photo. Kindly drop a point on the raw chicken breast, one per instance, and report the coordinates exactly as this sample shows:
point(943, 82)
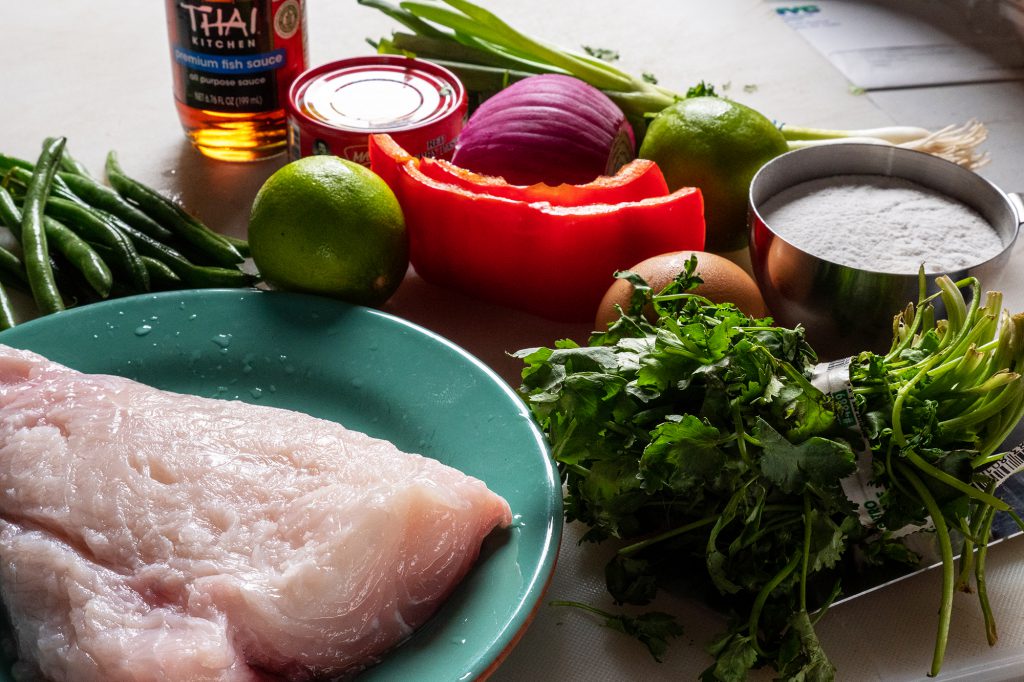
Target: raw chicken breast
point(146, 535)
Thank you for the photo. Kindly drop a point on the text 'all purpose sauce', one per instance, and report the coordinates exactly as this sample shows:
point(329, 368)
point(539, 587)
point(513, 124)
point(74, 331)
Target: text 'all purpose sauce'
point(233, 62)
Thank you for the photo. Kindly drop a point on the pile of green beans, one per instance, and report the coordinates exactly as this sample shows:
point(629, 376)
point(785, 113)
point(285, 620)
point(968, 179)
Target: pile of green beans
point(82, 240)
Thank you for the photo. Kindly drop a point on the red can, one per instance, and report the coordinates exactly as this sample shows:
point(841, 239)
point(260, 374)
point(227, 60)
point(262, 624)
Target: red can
point(333, 108)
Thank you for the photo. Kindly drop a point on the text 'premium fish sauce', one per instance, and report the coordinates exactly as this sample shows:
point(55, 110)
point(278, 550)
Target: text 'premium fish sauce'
point(233, 62)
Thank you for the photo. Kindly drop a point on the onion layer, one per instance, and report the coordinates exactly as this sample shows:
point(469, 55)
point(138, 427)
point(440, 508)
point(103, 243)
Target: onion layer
point(548, 128)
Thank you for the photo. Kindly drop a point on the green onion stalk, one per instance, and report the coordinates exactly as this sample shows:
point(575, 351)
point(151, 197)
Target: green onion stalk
point(488, 54)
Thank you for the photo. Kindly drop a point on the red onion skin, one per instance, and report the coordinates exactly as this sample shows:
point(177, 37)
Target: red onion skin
point(548, 128)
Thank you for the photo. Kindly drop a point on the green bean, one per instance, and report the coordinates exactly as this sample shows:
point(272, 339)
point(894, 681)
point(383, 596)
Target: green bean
point(10, 214)
point(33, 234)
point(10, 264)
point(9, 162)
point(168, 213)
point(12, 271)
point(123, 286)
point(70, 164)
point(241, 245)
point(21, 176)
point(7, 316)
point(98, 195)
point(212, 276)
point(198, 276)
point(161, 277)
point(80, 255)
point(147, 246)
point(97, 227)
point(79, 185)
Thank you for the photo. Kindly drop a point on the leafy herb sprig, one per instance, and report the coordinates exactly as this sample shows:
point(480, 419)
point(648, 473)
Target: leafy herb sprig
point(699, 444)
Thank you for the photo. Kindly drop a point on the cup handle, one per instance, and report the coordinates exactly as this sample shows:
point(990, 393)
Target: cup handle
point(1018, 204)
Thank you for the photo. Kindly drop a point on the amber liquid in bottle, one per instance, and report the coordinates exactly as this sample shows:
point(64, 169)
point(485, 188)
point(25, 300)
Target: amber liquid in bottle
point(234, 137)
point(233, 62)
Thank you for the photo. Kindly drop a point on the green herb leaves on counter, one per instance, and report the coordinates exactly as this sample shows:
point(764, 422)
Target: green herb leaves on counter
point(699, 444)
point(654, 629)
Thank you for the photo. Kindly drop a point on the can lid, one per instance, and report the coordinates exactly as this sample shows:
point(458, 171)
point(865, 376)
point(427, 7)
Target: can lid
point(378, 94)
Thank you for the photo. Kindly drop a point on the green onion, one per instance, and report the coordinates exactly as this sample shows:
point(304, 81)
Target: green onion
point(474, 43)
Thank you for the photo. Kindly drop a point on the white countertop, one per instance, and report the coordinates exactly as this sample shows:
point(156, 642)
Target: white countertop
point(98, 72)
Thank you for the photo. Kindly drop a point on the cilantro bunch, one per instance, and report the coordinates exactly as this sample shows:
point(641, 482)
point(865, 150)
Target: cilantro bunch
point(698, 443)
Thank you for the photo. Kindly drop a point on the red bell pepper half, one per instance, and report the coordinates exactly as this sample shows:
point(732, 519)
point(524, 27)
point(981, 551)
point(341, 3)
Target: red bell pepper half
point(552, 261)
point(638, 179)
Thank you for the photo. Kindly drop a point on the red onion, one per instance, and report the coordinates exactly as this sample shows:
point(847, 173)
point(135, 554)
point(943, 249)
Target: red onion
point(547, 128)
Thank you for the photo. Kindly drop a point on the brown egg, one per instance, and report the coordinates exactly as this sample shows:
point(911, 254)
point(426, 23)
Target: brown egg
point(724, 282)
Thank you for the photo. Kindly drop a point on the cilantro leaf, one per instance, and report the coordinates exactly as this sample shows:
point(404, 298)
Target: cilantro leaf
point(602, 53)
point(630, 581)
point(701, 89)
point(802, 657)
point(654, 628)
point(735, 656)
point(817, 461)
point(682, 455)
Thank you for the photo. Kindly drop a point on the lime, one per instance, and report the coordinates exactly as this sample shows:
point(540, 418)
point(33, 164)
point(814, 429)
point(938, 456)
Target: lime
point(717, 145)
point(329, 226)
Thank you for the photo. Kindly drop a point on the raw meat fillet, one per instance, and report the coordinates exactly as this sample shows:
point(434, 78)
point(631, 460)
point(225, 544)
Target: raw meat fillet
point(146, 535)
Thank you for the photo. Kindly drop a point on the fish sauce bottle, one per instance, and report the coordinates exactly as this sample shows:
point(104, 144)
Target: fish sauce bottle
point(233, 62)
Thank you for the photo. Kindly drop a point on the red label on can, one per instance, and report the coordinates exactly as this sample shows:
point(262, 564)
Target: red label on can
point(333, 108)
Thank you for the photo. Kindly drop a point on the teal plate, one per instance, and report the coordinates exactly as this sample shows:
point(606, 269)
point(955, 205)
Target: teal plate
point(372, 372)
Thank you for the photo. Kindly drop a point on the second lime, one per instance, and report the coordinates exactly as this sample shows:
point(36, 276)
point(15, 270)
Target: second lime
point(325, 225)
point(717, 145)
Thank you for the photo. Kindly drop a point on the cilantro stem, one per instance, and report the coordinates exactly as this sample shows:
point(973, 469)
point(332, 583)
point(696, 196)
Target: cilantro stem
point(771, 528)
point(762, 597)
point(948, 573)
point(680, 296)
point(991, 408)
point(967, 553)
point(954, 482)
point(988, 516)
point(578, 469)
point(1016, 519)
point(676, 350)
point(580, 605)
point(806, 552)
point(741, 443)
point(820, 612)
point(983, 349)
point(901, 397)
point(1000, 431)
point(559, 447)
point(751, 439)
point(956, 308)
point(890, 468)
point(905, 335)
point(681, 530)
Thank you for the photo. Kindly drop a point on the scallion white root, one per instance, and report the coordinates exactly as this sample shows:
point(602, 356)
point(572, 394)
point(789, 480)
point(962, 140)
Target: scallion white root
point(956, 143)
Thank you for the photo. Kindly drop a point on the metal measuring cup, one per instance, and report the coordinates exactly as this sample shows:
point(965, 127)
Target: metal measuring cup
point(845, 309)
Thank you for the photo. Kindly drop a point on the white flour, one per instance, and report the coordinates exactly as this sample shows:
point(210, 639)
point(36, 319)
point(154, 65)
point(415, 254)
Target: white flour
point(879, 223)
